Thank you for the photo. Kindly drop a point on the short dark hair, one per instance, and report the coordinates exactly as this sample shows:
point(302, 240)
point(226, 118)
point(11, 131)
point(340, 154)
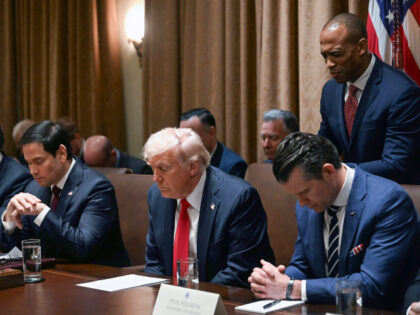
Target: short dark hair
point(354, 24)
point(49, 134)
point(69, 126)
point(1, 139)
point(288, 118)
point(309, 151)
point(203, 114)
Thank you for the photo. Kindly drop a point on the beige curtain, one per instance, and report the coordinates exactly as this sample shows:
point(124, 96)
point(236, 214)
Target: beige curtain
point(238, 58)
point(62, 60)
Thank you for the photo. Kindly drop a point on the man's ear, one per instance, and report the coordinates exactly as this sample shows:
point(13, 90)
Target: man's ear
point(61, 153)
point(193, 168)
point(362, 46)
point(328, 171)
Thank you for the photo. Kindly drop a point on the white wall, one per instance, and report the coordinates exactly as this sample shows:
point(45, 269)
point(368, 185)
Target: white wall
point(132, 82)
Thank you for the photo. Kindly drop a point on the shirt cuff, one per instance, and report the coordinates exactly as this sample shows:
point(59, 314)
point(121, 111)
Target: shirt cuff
point(408, 310)
point(40, 217)
point(303, 291)
point(9, 226)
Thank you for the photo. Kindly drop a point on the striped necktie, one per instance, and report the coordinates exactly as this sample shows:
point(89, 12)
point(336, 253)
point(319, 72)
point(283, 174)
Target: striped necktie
point(333, 239)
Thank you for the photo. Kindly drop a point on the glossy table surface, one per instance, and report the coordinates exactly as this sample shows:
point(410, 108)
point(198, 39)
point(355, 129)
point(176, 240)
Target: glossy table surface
point(58, 294)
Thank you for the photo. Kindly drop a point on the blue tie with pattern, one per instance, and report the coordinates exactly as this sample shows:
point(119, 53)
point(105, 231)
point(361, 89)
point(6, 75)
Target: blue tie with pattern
point(333, 238)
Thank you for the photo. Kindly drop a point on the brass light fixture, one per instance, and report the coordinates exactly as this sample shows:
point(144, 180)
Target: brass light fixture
point(134, 28)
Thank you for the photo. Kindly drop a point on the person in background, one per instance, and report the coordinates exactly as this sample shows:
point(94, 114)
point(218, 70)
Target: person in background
point(412, 297)
point(277, 124)
point(199, 211)
point(69, 207)
point(17, 132)
point(77, 142)
point(99, 152)
point(369, 110)
point(13, 179)
point(351, 225)
point(202, 122)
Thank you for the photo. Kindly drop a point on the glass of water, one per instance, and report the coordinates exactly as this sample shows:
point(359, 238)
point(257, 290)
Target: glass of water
point(187, 273)
point(349, 296)
point(31, 255)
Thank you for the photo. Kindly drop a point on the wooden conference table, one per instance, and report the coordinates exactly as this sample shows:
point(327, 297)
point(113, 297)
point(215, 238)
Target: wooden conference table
point(58, 294)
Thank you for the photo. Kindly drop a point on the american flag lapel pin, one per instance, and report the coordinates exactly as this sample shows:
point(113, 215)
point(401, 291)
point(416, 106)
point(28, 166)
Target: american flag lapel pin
point(70, 193)
point(212, 206)
point(352, 212)
point(358, 249)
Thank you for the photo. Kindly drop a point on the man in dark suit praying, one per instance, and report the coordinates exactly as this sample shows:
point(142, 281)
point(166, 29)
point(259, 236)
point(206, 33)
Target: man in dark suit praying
point(199, 211)
point(370, 110)
point(203, 123)
point(70, 207)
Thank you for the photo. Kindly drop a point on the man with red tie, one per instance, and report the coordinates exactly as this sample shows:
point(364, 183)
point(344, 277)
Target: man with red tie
point(199, 211)
point(370, 111)
point(70, 207)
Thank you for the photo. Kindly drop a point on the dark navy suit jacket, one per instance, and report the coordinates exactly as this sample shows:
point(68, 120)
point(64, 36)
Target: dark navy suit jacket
point(228, 161)
point(385, 138)
point(379, 215)
point(85, 226)
point(138, 166)
point(232, 231)
point(13, 179)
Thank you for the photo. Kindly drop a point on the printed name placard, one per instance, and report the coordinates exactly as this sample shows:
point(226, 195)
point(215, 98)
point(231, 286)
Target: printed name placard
point(178, 300)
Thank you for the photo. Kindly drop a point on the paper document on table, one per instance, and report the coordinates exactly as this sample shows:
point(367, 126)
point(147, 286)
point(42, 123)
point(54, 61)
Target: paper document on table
point(14, 254)
point(121, 283)
point(258, 307)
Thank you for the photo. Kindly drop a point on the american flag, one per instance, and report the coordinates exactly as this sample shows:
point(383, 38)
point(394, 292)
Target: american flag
point(393, 28)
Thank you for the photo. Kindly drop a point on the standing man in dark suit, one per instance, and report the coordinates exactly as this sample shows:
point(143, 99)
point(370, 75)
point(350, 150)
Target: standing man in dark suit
point(70, 207)
point(99, 151)
point(370, 111)
point(351, 225)
point(202, 211)
point(202, 122)
point(13, 179)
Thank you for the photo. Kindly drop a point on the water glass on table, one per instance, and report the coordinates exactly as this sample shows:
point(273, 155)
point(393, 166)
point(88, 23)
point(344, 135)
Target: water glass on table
point(349, 296)
point(31, 255)
point(187, 273)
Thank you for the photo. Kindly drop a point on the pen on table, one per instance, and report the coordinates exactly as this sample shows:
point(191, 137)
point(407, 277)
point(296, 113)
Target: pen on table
point(271, 304)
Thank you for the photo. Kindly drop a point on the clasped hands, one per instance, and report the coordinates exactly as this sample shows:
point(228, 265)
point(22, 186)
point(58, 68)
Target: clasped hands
point(269, 281)
point(23, 204)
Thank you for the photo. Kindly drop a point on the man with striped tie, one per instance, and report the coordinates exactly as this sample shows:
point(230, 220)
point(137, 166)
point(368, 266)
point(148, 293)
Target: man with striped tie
point(351, 225)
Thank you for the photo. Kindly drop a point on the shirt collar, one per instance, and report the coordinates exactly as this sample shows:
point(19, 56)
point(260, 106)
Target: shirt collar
point(360, 83)
point(63, 180)
point(344, 194)
point(1, 157)
point(197, 194)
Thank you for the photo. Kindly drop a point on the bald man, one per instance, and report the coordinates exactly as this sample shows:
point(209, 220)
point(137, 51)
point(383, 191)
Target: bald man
point(370, 110)
point(99, 152)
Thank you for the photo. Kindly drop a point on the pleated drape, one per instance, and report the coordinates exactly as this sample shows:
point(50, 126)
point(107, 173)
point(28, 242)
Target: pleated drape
point(238, 58)
point(62, 60)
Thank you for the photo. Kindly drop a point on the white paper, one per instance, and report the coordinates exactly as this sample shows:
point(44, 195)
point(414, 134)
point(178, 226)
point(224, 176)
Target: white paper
point(121, 283)
point(14, 254)
point(257, 307)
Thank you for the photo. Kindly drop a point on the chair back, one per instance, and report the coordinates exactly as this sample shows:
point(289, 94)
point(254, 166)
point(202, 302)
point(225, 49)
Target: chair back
point(280, 209)
point(131, 192)
point(414, 193)
point(113, 170)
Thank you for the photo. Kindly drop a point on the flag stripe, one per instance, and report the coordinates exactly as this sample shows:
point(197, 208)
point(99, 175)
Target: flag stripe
point(409, 26)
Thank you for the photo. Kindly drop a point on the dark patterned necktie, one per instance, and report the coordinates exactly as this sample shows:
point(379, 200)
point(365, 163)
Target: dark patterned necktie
point(350, 108)
point(56, 195)
point(333, 238)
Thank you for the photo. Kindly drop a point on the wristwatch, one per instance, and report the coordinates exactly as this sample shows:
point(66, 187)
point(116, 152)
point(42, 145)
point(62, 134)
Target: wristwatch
point(289, 288)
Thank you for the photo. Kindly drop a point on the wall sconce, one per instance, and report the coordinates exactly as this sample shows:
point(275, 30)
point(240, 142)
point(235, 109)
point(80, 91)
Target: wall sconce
point(134, 29)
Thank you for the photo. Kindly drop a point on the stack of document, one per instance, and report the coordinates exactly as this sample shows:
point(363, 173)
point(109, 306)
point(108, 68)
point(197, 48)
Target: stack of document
point(258, 307)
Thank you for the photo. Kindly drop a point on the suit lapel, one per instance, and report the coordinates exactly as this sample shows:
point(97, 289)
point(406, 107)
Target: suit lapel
point(70, 188)
point(354, 210)
point(317, 245)
point(368, 95)
point(340, 115)
point(167, 232)
point(209, 207)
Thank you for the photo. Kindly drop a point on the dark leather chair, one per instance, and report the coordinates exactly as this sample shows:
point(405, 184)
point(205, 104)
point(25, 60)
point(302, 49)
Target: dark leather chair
point(280, 209)
point(131, 192)
point(113, 170)
point(414, 193)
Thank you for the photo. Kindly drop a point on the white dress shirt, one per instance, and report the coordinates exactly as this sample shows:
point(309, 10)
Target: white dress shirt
point(194, 200)
point(360, 83)
point(341, 202)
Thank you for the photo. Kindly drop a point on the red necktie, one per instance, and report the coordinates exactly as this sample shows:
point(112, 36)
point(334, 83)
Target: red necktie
point(56, 195)
point(182, 236)
point(350, 108)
